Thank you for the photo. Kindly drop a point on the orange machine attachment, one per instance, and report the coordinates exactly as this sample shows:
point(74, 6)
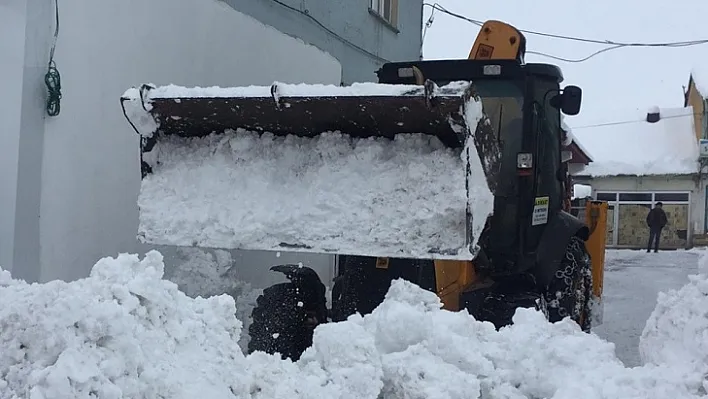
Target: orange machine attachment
point(596, 219)
point(498, 41)
point(452, 277)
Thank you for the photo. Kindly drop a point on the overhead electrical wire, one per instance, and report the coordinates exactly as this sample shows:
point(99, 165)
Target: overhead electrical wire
point(612, 44)
point(575, 38)
point(334, 34)
point(576, 60)
point(630, 121)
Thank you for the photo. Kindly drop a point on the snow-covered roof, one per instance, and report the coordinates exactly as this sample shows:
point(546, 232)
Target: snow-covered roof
point(570, 138)
point(640, 148)
point(574, 139)
point(573, 144)
point(699, 74)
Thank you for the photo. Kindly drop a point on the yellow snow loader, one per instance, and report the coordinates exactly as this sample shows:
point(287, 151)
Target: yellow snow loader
point(446, 173)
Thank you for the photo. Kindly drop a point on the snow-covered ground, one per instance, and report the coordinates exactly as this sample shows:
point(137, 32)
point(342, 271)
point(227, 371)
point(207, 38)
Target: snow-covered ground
point(126, 332)
point(633, 280)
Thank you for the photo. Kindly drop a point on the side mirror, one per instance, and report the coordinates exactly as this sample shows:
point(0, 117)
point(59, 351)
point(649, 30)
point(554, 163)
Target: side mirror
point(569, 101)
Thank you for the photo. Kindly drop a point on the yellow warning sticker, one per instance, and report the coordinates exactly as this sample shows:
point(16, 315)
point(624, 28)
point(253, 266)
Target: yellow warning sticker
point(540, 211)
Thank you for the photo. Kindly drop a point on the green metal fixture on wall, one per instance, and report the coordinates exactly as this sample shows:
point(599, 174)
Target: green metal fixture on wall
point(52, 78)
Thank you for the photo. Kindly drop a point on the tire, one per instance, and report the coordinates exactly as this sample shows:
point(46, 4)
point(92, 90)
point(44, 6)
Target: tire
point(499, 309)
point(570, 292)
point(507, 295)
point(283, 321)
point(340, 311)
point(345, 295)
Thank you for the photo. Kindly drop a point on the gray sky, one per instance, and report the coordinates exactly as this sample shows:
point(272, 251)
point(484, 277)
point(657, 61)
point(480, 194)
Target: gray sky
point(615, 84)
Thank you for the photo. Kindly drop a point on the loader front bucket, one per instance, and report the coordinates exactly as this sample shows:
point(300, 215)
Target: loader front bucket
point(369, 169)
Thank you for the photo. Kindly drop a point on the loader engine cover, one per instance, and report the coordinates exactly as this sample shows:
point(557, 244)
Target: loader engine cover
point(368, 169)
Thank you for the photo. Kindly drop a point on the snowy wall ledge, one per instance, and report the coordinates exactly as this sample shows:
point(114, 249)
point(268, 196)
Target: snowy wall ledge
point(125, 332)
point(136, 108)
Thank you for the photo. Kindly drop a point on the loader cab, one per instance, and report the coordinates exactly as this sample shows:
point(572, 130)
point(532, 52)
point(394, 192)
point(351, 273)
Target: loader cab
point(523, 103)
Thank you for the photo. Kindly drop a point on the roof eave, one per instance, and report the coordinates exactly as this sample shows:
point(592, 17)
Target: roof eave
point(688, 90)
point(591, 176)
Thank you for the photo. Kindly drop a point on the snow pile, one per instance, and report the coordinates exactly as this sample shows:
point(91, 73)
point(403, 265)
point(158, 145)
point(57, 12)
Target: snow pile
point(201, 272)
point(429, 353)
point(329, 193)
point(124, 332)
point(640, 148)
point(677, 331)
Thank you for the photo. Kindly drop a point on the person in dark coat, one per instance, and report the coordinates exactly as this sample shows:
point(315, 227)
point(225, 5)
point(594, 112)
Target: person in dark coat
point(656, 220)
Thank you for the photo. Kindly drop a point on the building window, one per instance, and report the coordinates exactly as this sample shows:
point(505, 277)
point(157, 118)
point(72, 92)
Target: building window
point(671, 197)
point(705, 119)
point(646, 197)
point(635, 197)
point(626, 217)
point(386, 10)
point(609, 197)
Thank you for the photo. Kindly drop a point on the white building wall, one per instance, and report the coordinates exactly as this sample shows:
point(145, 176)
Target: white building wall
point(698, 209)
point(658, 184)
point(13, 15)
point(645, 183)
point(89, 155)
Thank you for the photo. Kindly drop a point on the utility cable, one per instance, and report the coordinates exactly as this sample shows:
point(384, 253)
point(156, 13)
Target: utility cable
point(606, 49)
point(307, 14)
point(575, 38)
point(630, 121)
point(52, 79)
point(427, 25)
point(612, 43)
